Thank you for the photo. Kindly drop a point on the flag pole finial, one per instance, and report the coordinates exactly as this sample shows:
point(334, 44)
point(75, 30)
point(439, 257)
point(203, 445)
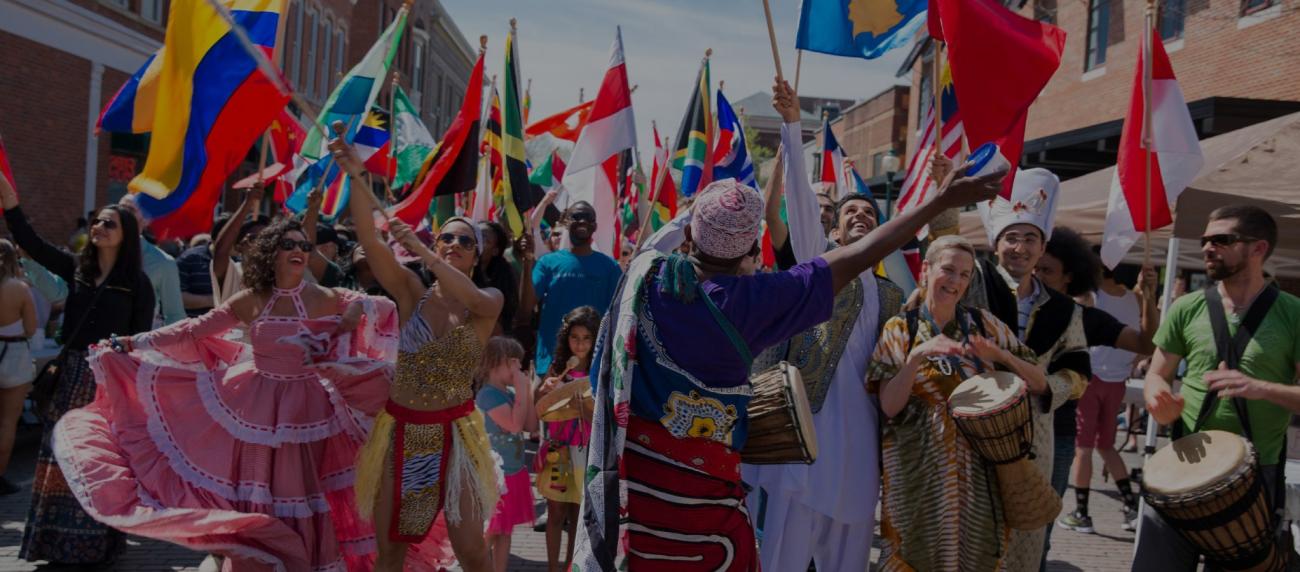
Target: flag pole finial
point(708, 53)
point(482, 43)
point(513, 25)
point(634, 86)
point(722, 84)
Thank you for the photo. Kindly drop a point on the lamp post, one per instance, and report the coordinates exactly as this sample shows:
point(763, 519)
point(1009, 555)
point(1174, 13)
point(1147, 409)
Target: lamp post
point(890, 164)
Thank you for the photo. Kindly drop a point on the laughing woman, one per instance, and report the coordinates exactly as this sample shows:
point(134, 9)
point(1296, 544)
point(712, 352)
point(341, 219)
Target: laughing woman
point(108, 293)
point(245, 450)
point(430, 445)
point(948, 520)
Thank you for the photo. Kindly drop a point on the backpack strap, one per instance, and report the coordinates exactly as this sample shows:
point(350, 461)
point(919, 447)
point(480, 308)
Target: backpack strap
point(1231, 349)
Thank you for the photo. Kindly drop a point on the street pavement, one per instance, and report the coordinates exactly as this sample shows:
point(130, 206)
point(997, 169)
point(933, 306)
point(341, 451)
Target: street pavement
point(1109, 549)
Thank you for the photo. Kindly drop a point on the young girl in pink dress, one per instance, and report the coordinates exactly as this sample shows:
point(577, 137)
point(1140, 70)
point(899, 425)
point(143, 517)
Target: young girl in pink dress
point(562, 457)
point(242, 450)
point(506, 400)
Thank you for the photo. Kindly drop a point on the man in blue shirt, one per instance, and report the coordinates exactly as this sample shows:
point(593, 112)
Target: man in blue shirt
point(572, 278)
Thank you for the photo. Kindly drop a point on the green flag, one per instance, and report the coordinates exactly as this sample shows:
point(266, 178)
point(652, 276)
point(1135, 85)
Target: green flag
point(412, 141)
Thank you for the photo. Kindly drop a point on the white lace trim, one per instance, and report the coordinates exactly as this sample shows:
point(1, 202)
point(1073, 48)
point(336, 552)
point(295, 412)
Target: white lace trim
point(243, 491)
point(75, 476)
point(269, 435)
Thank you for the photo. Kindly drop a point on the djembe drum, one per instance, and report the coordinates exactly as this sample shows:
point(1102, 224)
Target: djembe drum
point(1207, 486)
point(780, 419)
point(992, 410)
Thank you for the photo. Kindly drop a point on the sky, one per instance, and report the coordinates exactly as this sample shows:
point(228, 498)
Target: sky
point(564, 45)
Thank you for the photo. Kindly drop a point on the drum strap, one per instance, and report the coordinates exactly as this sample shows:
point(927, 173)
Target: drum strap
point(964, 317)
point(737, 341)
point(1230, 350)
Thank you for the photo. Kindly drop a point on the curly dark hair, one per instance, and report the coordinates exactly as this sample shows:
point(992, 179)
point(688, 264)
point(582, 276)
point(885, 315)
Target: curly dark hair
point(259, 258)
point(585, 316)
point(1077, 260)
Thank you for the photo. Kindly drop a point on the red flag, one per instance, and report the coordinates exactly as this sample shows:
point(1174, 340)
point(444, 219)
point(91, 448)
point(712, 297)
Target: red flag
point(611, 127)
point(565, 125)
point(451, 168)
point(1176, 157)
point(286, 139)
point(1000, 62)
point(4, 167)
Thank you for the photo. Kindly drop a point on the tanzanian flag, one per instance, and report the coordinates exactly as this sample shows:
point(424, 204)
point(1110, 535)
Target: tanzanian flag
point(517, 194)
point(205, 102)
point(691, 153)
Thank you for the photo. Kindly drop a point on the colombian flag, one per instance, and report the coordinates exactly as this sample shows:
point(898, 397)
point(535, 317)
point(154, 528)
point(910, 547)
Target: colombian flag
point(205, 103)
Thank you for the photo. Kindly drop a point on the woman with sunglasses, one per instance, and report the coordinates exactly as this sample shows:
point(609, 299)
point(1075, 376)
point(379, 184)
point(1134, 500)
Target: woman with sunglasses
point(429, 445)
point(108, 293)
point(243, 450)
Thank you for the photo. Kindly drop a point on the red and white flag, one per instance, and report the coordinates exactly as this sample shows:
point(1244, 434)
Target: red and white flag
point(1175, 152)
point(918, 186)
point(610, 127)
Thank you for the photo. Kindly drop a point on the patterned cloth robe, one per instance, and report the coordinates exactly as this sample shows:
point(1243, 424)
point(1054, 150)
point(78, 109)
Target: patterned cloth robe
point(940, 508)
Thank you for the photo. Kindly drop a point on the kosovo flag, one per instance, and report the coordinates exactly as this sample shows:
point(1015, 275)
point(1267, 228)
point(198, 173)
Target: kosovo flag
point(858, 28)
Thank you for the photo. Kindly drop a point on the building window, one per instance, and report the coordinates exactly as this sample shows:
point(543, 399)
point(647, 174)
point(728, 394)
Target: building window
point(340, 53)
point(419, 49)
point(1098, 30)
point(294, 55)
point(313, 30)
point(1172, 15)
point(1251, 6)
point(1045, 11)
point(327, 50)
point(152, 10)
point(123, 4)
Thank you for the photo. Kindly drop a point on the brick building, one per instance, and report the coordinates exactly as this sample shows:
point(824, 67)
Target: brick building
point(65, 59)
point(1235, 60)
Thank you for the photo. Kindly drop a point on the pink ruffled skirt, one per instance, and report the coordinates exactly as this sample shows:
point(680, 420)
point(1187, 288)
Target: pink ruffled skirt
point(516, 504)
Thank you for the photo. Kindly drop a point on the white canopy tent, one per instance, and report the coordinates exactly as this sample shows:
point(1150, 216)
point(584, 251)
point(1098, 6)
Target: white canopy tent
point(1257, 165)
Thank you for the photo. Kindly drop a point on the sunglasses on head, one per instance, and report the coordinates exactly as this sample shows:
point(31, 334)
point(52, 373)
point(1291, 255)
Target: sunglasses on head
point(288, 244)
point(582, 216)
point(463, 241)
point(109, 224)
point(1226, 239)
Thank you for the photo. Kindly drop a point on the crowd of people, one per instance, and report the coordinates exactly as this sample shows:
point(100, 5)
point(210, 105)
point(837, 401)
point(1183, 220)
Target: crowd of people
point(285, 394)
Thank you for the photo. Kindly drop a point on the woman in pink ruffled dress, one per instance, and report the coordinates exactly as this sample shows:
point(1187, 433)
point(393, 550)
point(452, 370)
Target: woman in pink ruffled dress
point(246, 451)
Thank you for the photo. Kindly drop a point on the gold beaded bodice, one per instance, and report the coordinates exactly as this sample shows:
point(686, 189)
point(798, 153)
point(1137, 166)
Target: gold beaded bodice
point(440, 371)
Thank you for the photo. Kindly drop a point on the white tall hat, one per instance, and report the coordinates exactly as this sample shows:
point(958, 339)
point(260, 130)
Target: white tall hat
point(1033, 201)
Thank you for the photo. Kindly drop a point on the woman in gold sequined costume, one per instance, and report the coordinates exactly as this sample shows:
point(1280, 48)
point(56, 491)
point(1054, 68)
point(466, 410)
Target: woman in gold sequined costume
point(429, 447)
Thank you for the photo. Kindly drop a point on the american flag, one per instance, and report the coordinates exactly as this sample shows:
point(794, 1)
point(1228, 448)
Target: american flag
point(917, 186)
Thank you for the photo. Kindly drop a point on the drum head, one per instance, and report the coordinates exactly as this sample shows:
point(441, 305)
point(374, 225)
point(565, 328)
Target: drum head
point(1194, 462)
point(984, 393)
point(561, 404)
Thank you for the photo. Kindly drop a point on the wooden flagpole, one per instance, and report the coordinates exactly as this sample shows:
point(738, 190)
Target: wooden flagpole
point(798, 66)
point(653, 195)
point(771, 36)
point(938, 96)
point(1148, 137)
point(391, 162)
point(261, 161)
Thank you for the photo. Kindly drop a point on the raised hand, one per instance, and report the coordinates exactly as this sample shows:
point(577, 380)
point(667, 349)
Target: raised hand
point(314, 198)
point(344, 154)
point(958, 191)
point(940, 167)
point(786, 101)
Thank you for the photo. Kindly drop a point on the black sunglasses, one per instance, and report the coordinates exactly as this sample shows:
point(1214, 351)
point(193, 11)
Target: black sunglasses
point(288, 244)
point(463, 241)
point(106, 223)
point(1226, 239)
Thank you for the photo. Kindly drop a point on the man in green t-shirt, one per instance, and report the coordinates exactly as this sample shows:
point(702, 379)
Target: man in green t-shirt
point(1237, 241)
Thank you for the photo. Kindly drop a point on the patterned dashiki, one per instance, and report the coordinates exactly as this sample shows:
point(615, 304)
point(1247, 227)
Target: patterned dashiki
point(672, 394)
point(951, 518)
